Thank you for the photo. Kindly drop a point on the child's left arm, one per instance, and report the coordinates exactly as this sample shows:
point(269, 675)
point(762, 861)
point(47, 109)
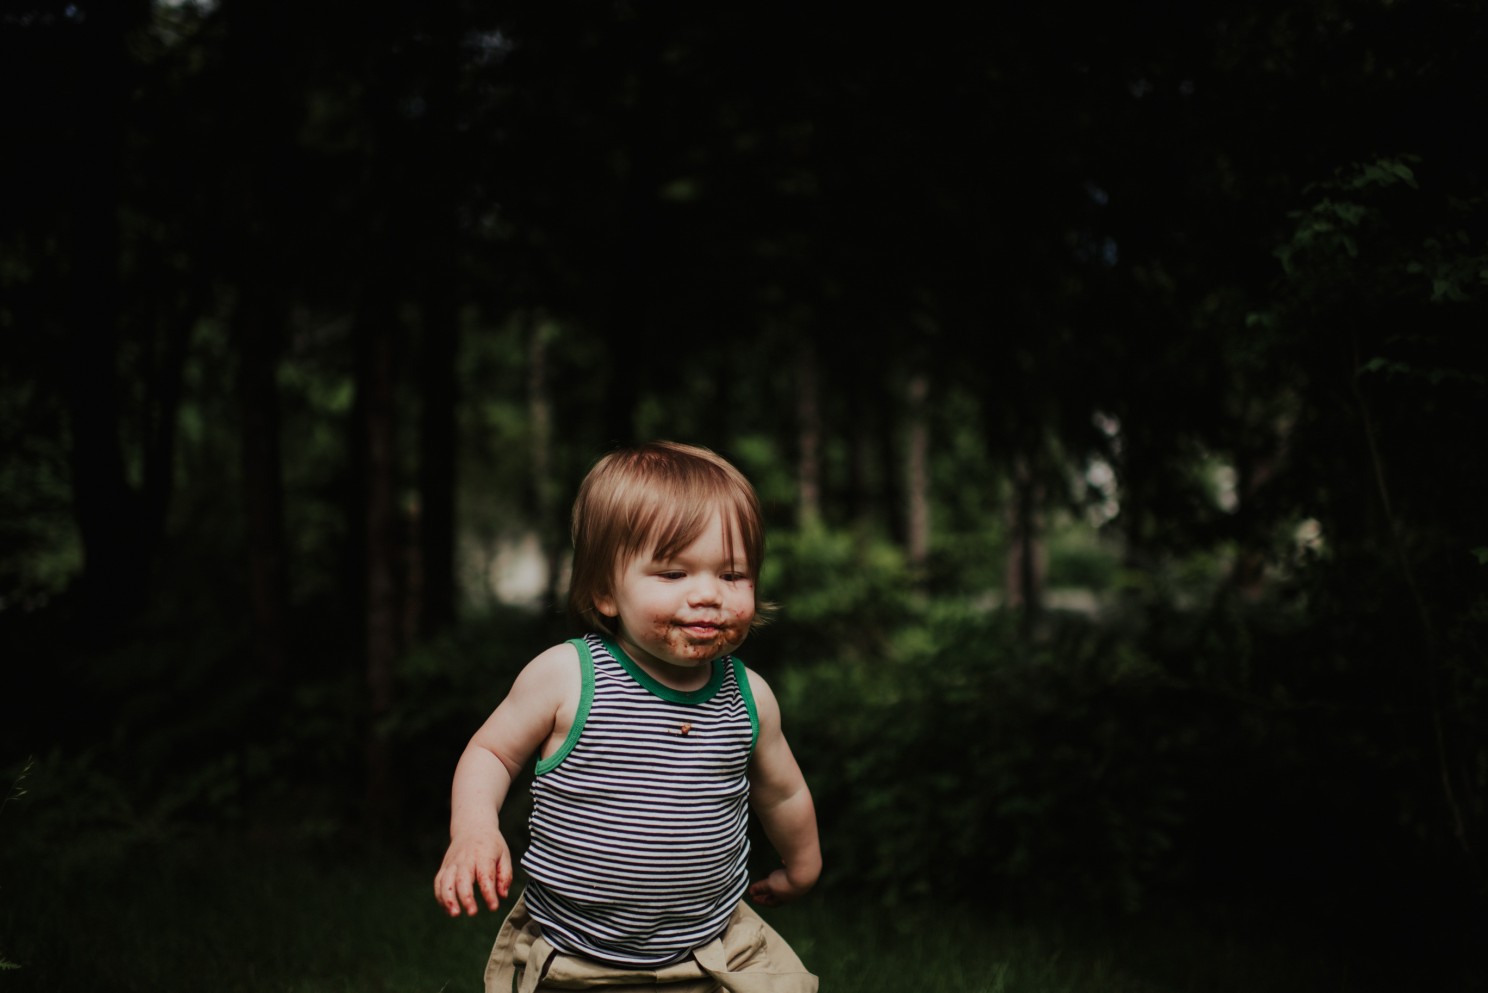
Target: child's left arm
point(782, 801)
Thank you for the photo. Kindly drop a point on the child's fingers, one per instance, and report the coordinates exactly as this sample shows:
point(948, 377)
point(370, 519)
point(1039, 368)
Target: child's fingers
point(489, 878)
point(446, 890)
point(503, 874)
point(465, 888)
point(763, 894)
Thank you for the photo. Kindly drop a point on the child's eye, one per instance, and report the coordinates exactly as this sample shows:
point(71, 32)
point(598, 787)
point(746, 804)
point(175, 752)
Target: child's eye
point(671, 574)
point(735, 577)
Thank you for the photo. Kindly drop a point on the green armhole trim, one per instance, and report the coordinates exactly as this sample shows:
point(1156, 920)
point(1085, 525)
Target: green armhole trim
point(701, 695)
point(586, 698)
point(741, 676)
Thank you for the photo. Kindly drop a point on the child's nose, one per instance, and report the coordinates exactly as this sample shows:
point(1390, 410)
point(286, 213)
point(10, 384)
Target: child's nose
point(706, 590)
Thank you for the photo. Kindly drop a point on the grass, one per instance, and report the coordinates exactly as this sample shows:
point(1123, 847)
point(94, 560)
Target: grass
point(211, 918)
point(195, 915)
point(866, 950)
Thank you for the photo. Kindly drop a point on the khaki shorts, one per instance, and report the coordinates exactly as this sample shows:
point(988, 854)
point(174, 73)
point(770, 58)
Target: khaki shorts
point(749, 958)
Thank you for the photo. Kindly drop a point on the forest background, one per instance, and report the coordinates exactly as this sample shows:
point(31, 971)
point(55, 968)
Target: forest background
point(1113, 377)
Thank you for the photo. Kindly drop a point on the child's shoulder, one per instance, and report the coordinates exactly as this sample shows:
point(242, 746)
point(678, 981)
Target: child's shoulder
point(554, 673)
point(560, 659)
point(760, 690)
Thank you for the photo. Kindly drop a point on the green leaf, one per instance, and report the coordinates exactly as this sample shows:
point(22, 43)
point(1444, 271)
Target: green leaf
point(1381, 364)
point(1401, 170)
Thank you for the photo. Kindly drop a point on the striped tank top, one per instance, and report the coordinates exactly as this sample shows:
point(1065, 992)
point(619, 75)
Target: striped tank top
point(639, 848)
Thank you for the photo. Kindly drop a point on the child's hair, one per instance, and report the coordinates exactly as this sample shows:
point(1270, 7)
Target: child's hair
point(655, 498)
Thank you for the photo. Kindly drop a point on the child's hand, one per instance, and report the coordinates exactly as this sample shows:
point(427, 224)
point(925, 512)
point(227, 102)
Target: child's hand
point(775, 889)
point(482, 860)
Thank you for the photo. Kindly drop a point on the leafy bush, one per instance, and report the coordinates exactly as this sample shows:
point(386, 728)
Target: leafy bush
point(839, 592)
point(962, 759)
point(1076, 558)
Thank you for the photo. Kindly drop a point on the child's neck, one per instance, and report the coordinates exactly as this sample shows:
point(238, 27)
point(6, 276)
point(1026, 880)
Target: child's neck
point(683, 679)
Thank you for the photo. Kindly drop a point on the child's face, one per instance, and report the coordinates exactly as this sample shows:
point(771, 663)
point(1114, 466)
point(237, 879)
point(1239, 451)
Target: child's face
point(680, 613)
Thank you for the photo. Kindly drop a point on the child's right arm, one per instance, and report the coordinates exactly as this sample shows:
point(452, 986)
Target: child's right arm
point(537, 713)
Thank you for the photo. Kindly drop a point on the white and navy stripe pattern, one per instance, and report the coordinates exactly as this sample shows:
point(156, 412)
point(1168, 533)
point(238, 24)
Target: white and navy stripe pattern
point(639, 848)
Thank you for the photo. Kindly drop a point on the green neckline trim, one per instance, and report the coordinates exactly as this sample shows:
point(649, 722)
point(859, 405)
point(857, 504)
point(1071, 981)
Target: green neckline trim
point(586, 699)
point(700, 695)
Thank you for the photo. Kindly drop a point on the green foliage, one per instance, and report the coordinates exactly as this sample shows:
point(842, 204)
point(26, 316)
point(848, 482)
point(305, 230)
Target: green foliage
point(1079, 557)
point(40, 550)
point(447, 687)
point(18, 784)
point(960, 762)
point(839, 591)
point(1385, 301)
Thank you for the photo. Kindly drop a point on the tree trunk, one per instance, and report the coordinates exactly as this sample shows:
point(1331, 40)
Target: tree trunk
point(437, 448)
point(917, 474)
point(260, 169)
point(1025, 572)
point(861, 497)
point(633, 341)
point(392, 252)
point(439, 441)
point(259, 323)
point(376, 390)
point(887, 439)
point(106, 508)
point(166, 383)
point(544, 487)
point(809, 436)
point(109, 515)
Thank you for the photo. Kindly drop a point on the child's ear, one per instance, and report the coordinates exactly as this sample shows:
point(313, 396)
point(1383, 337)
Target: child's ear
point(605, 604)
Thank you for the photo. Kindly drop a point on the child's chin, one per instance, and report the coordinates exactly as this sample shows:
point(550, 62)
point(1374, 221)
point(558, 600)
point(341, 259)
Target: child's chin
point(698, 652)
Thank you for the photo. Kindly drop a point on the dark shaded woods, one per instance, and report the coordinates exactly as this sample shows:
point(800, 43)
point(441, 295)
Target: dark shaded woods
point(1114, 379)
